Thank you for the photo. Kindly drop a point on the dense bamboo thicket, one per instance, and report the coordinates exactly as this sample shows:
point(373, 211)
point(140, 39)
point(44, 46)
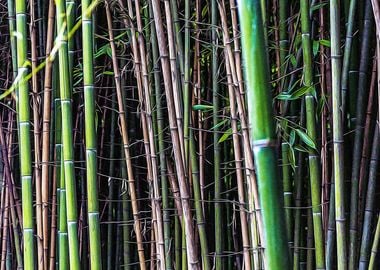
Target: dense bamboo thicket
point(179, 134)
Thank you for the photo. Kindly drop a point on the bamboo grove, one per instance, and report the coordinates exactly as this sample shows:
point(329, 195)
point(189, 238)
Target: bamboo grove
point(178, 134)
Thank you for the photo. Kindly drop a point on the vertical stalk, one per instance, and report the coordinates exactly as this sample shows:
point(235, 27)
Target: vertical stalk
point(161, 146)
point(369, 204)
point(67, 139)
point(126, 146)
point(45, 155)
point(338, 134)
point(263, 135)
point(24, 140)
point(90, 137)
point(175, 130)
point(215, 110)
point(314, 170)
point(362, 98)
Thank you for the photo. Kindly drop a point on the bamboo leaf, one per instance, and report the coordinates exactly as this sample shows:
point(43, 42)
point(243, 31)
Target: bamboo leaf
point(325, 42)
point(305, 138)
point(221, 123)
point(202, 107)
point(225, 136)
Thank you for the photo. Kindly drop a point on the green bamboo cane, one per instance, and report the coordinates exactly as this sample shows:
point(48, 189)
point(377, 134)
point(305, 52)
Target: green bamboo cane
point(90, 134)
point(298, 203)
point(314, 170)
point(362, 97)
point(310, 265)
point(347, 53)
point(126, 216)
point(288, 194)
point(331, 232)
point(186, 80)
point(370, 200)
point(263, 135)
point(13, 39)
point(375, 246)
point(338, 134)
point(24, 140)
point(283, 6)
point(178, 36)
point(67, 140)
point(177, 242)
point(111, 186)
point(215, 110)
point(198, 204)
point(70, 14)
point(62, 251)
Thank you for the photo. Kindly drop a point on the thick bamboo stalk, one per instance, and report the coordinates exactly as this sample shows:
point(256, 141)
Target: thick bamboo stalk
point(338, 134)
point(375, 247)
point(67, 139)
point(24, 140)
point(263, 136)
point(369, 204)
point(90, 137)
point(314, 166)
point(362, 97)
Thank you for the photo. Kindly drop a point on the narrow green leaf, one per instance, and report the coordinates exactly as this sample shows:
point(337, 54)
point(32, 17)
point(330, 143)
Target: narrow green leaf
point(201, 107)
point(225, 136)
point(305, 138)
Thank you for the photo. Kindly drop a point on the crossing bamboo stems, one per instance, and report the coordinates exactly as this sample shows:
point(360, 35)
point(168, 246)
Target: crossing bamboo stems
point(161, 146)
point(149, 137)
point(254, 204)
point(240, 183)
point(126, 146)
point(193, 262)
